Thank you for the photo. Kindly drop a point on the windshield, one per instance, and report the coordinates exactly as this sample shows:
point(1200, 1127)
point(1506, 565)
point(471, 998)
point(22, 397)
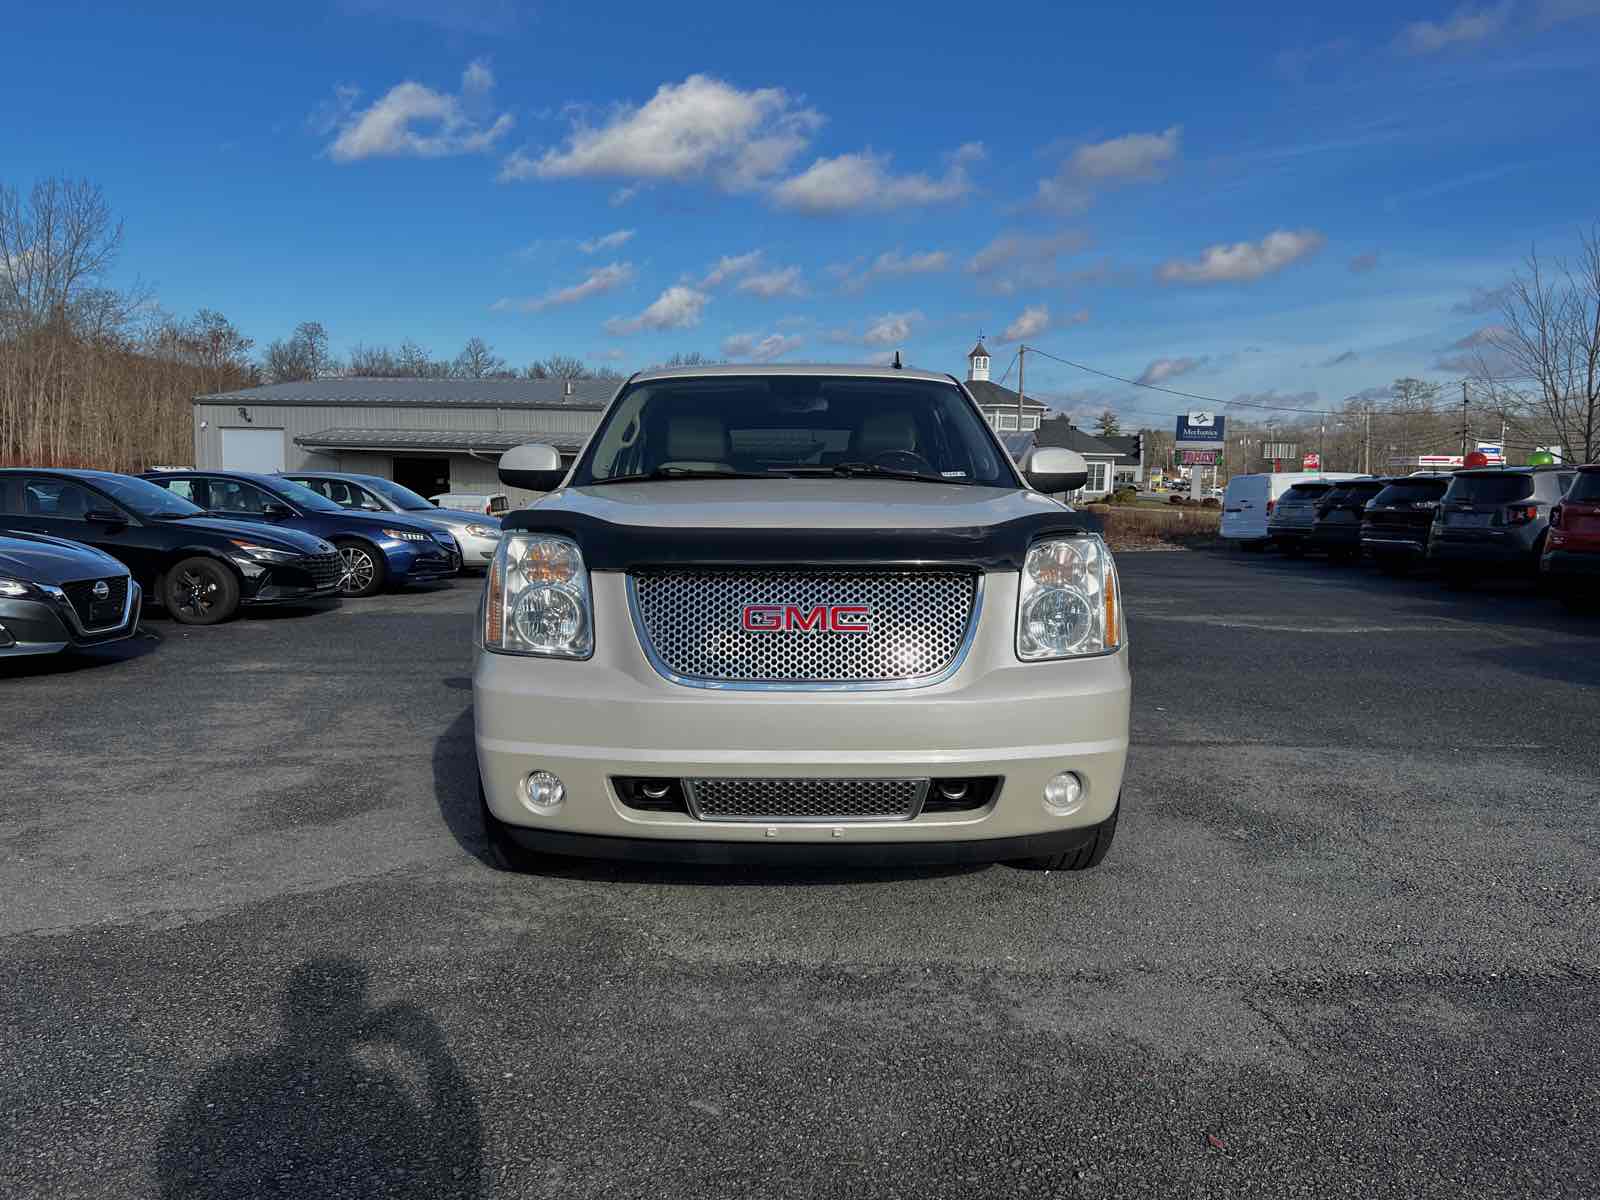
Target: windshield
point(403, 496)
point(142, 496)
point(1411, 492)
point(769, 425)
point(303, 496)
point(1490, 489)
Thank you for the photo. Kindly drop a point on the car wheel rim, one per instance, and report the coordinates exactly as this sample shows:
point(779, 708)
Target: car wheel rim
point(358, 569)
point(197, 593)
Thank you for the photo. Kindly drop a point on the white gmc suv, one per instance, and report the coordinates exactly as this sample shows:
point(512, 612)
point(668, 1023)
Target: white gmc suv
point(786, 613)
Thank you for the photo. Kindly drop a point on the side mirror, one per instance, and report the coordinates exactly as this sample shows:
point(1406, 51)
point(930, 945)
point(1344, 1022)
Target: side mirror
point(276, 512)
point(534, 467)
point(105, 516)
point(1056, 469)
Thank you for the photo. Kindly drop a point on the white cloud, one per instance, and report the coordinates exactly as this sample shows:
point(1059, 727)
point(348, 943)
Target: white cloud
point(597, 283)
point(609, 241)
point(1464, 26)
point(730, 266)
point(412, 120)
point(890, 329)
point(1034, 320)
point(891, 264)
point(678, 307)
point(1162, 369)
point(755, 347)
point(783, 281)
point(1014, 261)
point(853, 182)
point(700, 128)
point(1243, 261)
point(1131, 158)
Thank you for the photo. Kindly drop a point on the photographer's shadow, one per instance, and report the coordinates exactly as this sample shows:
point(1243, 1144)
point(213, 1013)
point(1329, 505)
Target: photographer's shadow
point(354, 1101)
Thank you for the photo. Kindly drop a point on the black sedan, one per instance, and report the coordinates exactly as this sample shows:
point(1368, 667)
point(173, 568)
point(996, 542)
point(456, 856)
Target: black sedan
point(56, 594)
point(200, 569)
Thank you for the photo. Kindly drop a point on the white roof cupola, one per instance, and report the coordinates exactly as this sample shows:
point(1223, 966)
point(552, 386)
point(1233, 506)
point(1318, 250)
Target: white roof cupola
point(978, 362)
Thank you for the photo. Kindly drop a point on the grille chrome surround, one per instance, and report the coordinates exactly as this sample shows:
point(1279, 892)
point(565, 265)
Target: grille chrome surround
point(688, 621)
point(826, 801)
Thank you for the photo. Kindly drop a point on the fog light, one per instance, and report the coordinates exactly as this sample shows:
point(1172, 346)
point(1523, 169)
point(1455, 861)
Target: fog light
point(1063, 793)
point(546, 793)
point(5, 638)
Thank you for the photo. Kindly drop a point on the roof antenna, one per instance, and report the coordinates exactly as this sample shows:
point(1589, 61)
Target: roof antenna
point(896, 364)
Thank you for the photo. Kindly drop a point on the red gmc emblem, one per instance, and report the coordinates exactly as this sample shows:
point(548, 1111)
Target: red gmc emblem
point(792, 618)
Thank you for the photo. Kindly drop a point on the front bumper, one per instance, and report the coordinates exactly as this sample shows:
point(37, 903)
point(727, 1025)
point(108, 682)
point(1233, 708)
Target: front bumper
point(476, 552)
point(420, 562)
point(45, 625)
point(613, 715)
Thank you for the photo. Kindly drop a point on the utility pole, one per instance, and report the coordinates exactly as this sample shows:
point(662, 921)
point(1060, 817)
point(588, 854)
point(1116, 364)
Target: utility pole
point(1366, 445)
point(1464, 420)
point(1022, 354)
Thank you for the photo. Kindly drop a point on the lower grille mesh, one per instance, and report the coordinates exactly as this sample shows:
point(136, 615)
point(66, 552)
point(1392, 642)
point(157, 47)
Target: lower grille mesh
point(721, 799)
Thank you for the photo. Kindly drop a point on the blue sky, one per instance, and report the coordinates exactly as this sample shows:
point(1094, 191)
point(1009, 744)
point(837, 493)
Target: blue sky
point(1252, 203)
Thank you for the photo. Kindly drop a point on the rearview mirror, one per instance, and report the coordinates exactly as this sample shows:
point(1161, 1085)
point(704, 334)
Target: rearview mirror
point(105, 516)
point(534, 467)
point(1056, 469)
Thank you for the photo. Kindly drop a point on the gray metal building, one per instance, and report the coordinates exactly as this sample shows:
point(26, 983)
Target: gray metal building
point(431, 435)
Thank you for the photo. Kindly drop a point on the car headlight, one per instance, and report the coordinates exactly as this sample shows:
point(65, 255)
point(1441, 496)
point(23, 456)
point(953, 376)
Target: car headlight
point(483, 531)
point(1069, 605)
point(537, 600)
point(408, 535)
point(13, 588)
point(264, 553)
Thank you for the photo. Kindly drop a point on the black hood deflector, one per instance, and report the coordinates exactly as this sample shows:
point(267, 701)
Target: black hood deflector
point(611, 547)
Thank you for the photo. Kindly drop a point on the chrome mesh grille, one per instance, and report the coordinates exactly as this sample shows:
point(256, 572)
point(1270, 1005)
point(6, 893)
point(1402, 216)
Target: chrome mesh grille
point(693, 621)
point(717, 799)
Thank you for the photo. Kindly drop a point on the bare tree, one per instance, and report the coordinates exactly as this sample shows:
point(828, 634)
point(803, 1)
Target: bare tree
point(559, 366)
point(478, 360)
point(692, 358)
point(52, 246)
point(304, 356)
point(1550, 336)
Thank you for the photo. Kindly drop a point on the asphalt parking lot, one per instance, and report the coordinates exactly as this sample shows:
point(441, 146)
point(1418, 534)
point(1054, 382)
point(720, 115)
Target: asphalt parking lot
point(1346, 943)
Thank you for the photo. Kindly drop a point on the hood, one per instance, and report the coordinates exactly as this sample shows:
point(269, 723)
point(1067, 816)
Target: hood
point(256, 531)
point(50, 560)
point(829, 503)
point(414, 521)
point(458, 517)
point(798, 522)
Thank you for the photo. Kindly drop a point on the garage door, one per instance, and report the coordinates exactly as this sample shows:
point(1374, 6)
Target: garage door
point(252, 450)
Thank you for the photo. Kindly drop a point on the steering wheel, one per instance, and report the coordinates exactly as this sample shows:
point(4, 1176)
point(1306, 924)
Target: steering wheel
point(903, 460)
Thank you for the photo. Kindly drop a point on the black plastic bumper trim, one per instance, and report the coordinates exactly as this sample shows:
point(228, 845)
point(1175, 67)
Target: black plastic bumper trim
point(842, 853)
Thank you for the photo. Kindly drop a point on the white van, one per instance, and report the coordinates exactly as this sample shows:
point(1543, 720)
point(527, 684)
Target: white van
point(1249, 501)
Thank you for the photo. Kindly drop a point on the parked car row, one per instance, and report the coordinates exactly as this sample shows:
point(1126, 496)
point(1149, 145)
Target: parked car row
point(1473, 524)
point(82, 551)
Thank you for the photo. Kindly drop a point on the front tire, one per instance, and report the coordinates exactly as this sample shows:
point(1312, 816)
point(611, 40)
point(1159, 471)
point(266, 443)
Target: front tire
point(200, 591)
point(365, 571)
point(1081, 858)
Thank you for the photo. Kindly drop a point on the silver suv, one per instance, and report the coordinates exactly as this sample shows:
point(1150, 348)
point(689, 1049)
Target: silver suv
point(782, 613)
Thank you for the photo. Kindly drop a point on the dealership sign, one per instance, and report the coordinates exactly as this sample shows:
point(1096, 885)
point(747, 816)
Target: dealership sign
point(1200, 430)
point(1311, 462)
point(1494, 452)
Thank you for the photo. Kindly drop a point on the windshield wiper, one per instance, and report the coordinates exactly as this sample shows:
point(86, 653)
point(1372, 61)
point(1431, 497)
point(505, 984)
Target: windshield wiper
point(677, 473)
point(861, 468)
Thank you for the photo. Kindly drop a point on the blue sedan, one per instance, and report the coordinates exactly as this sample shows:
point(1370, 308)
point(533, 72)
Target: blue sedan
point(378, 549)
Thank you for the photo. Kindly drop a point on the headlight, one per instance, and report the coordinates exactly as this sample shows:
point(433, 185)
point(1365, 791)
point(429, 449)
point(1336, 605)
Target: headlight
point(13, 588)
point(537, 598)
point(1068, 605)
point(483, 531)
point(408, 535)
point(264, 553)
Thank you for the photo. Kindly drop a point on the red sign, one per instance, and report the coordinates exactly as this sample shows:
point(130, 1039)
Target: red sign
point(1311, 462)
point(791, 618)
point(1199, 458)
